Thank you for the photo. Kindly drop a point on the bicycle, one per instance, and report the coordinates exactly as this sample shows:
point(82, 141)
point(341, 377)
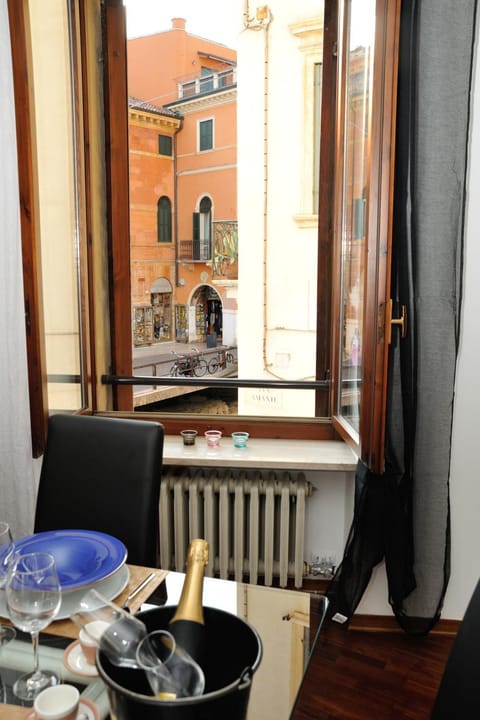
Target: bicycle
point(230, 358)
point(193, 364)
point(216, 363)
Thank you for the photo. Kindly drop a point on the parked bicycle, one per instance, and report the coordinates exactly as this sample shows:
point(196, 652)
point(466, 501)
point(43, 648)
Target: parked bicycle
point(193, 364)
point(217, 362)
point(230, 357)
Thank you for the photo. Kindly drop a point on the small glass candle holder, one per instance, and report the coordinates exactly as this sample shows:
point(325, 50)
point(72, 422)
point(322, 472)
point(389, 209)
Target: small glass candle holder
point(240, 439)
point(213, 437)
point(188, 436)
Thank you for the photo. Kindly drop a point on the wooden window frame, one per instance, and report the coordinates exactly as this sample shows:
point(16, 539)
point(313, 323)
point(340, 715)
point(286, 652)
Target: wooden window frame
point(118, 361)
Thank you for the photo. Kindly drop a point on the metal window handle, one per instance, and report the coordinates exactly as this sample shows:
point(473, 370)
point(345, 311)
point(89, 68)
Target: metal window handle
point(401, 321)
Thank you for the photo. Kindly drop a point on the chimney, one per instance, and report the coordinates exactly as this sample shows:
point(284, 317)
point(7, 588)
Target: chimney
point(178, 23)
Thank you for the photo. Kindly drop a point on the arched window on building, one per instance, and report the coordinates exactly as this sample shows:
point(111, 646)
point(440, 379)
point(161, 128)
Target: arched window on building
point(164, 220)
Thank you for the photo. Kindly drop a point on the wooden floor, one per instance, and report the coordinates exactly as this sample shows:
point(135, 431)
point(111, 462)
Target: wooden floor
point(358, 675)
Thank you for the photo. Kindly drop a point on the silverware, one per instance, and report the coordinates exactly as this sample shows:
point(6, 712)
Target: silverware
point(137, 590)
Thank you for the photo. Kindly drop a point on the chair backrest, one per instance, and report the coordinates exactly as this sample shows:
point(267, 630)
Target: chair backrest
point(103, 474)
point(459, 692)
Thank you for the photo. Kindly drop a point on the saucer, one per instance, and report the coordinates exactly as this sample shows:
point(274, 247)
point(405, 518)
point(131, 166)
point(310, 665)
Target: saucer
point(75, 661)
point(86, 707)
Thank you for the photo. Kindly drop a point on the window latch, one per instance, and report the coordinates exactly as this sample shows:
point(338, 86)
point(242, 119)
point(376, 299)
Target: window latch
point(401, 321)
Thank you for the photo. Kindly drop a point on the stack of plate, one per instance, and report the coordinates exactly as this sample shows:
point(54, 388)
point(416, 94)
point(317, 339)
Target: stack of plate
point(84, 559)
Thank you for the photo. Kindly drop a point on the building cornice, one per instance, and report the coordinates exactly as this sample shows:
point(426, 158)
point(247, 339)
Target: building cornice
point(200, 102)
point(141, 117)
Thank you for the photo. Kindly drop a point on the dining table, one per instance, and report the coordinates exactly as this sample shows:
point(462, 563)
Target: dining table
point(287, 621)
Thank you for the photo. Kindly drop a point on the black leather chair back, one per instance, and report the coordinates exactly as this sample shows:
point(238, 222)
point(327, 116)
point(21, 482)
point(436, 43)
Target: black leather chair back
point(103, 474)
point(459, 692)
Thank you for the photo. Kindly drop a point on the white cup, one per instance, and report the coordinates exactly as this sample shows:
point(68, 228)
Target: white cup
point(59, 702)
point(89, 637)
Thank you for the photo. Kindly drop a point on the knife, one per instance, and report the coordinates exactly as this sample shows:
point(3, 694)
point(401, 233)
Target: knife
point(137, 590)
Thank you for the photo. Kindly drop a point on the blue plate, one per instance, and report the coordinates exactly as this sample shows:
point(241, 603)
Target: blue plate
point(83, 557)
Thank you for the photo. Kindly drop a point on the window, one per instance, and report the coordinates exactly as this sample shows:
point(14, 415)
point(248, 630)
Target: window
point(322, 337)
point(165, 145)
point(205, 135)
point(317, 108)
point(164, 220)
point(202, 231)
point(206, 83)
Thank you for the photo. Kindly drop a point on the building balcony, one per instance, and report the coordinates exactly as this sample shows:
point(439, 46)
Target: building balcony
point(207, 83)
point(194, 251)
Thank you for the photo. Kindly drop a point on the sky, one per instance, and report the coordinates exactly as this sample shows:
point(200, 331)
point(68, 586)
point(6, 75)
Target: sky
point(211, 19)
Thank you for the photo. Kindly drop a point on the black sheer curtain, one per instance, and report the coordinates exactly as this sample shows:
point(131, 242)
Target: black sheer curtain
point(403, 516)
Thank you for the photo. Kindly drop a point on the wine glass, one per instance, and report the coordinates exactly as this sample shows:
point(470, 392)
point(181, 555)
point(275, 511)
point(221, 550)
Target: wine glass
point(7, 549)
point(171, 671)
point(33, 600)
point(113, 629)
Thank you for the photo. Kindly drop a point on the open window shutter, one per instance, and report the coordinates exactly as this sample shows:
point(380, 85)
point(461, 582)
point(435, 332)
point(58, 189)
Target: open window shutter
point(196, 235)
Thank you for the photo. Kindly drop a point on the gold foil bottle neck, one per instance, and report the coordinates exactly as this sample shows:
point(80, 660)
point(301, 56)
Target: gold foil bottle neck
point(190, 604)
point(198, 552)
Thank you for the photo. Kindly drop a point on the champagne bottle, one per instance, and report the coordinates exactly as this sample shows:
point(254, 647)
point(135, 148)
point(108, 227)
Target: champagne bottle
point(187, 624)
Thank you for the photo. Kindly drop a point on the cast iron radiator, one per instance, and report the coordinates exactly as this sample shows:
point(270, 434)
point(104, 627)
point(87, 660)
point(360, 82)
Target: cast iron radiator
point(254, 522)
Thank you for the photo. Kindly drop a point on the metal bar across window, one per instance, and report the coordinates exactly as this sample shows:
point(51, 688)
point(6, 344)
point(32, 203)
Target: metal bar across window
point(215, 382)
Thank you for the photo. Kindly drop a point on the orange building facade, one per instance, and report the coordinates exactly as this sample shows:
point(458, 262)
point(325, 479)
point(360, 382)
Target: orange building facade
point(183, 206)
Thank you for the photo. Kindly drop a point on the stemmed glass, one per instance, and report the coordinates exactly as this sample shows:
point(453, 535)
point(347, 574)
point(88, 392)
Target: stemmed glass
point(113, 629)
point(7, 550)
point(33, 600)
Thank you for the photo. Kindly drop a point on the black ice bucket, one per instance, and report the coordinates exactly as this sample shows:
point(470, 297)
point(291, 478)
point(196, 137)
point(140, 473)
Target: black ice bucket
point(234, 651)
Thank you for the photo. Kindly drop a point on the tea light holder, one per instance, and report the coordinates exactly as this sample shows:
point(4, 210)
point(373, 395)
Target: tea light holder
point(240, 439)
point(188, 436)
point(213, 437)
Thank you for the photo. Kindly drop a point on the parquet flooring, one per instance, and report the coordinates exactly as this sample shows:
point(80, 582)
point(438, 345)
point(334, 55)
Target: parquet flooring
point(363, 675)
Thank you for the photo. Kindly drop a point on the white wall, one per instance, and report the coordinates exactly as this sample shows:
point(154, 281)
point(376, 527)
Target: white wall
point(277, 260)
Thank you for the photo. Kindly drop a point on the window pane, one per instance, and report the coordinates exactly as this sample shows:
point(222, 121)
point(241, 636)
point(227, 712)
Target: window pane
point(356, 128)
point(59, 176)
point(206, 135)
point(244, 269)
point(164, 220)
point(165, 145)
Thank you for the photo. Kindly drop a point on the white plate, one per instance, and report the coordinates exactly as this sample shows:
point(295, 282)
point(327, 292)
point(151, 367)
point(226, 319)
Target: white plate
point(76, 662)
point(111, 587)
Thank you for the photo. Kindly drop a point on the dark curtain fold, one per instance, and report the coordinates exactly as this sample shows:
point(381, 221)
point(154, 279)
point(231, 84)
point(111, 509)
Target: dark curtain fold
point(403, 516)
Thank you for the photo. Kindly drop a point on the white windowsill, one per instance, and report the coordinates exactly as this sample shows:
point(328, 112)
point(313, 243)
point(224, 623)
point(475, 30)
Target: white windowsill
point(262, 453)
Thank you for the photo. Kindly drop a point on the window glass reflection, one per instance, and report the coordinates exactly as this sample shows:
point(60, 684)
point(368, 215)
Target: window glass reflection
point(56, 166)
point(355, 202)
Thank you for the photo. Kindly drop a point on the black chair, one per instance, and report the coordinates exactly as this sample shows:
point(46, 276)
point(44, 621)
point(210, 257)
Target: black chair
point(103, 474)
point(459, 692)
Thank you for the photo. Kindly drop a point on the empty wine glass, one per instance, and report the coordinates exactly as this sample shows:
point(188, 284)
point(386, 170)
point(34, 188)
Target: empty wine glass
point(114, 630)
point(7, 550)
point(33, 600)
point(171, 671)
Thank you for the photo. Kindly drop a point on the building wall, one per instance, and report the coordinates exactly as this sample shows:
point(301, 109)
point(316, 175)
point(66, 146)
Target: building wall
point(209, 173)
point(277, 306)
point(170, 57)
